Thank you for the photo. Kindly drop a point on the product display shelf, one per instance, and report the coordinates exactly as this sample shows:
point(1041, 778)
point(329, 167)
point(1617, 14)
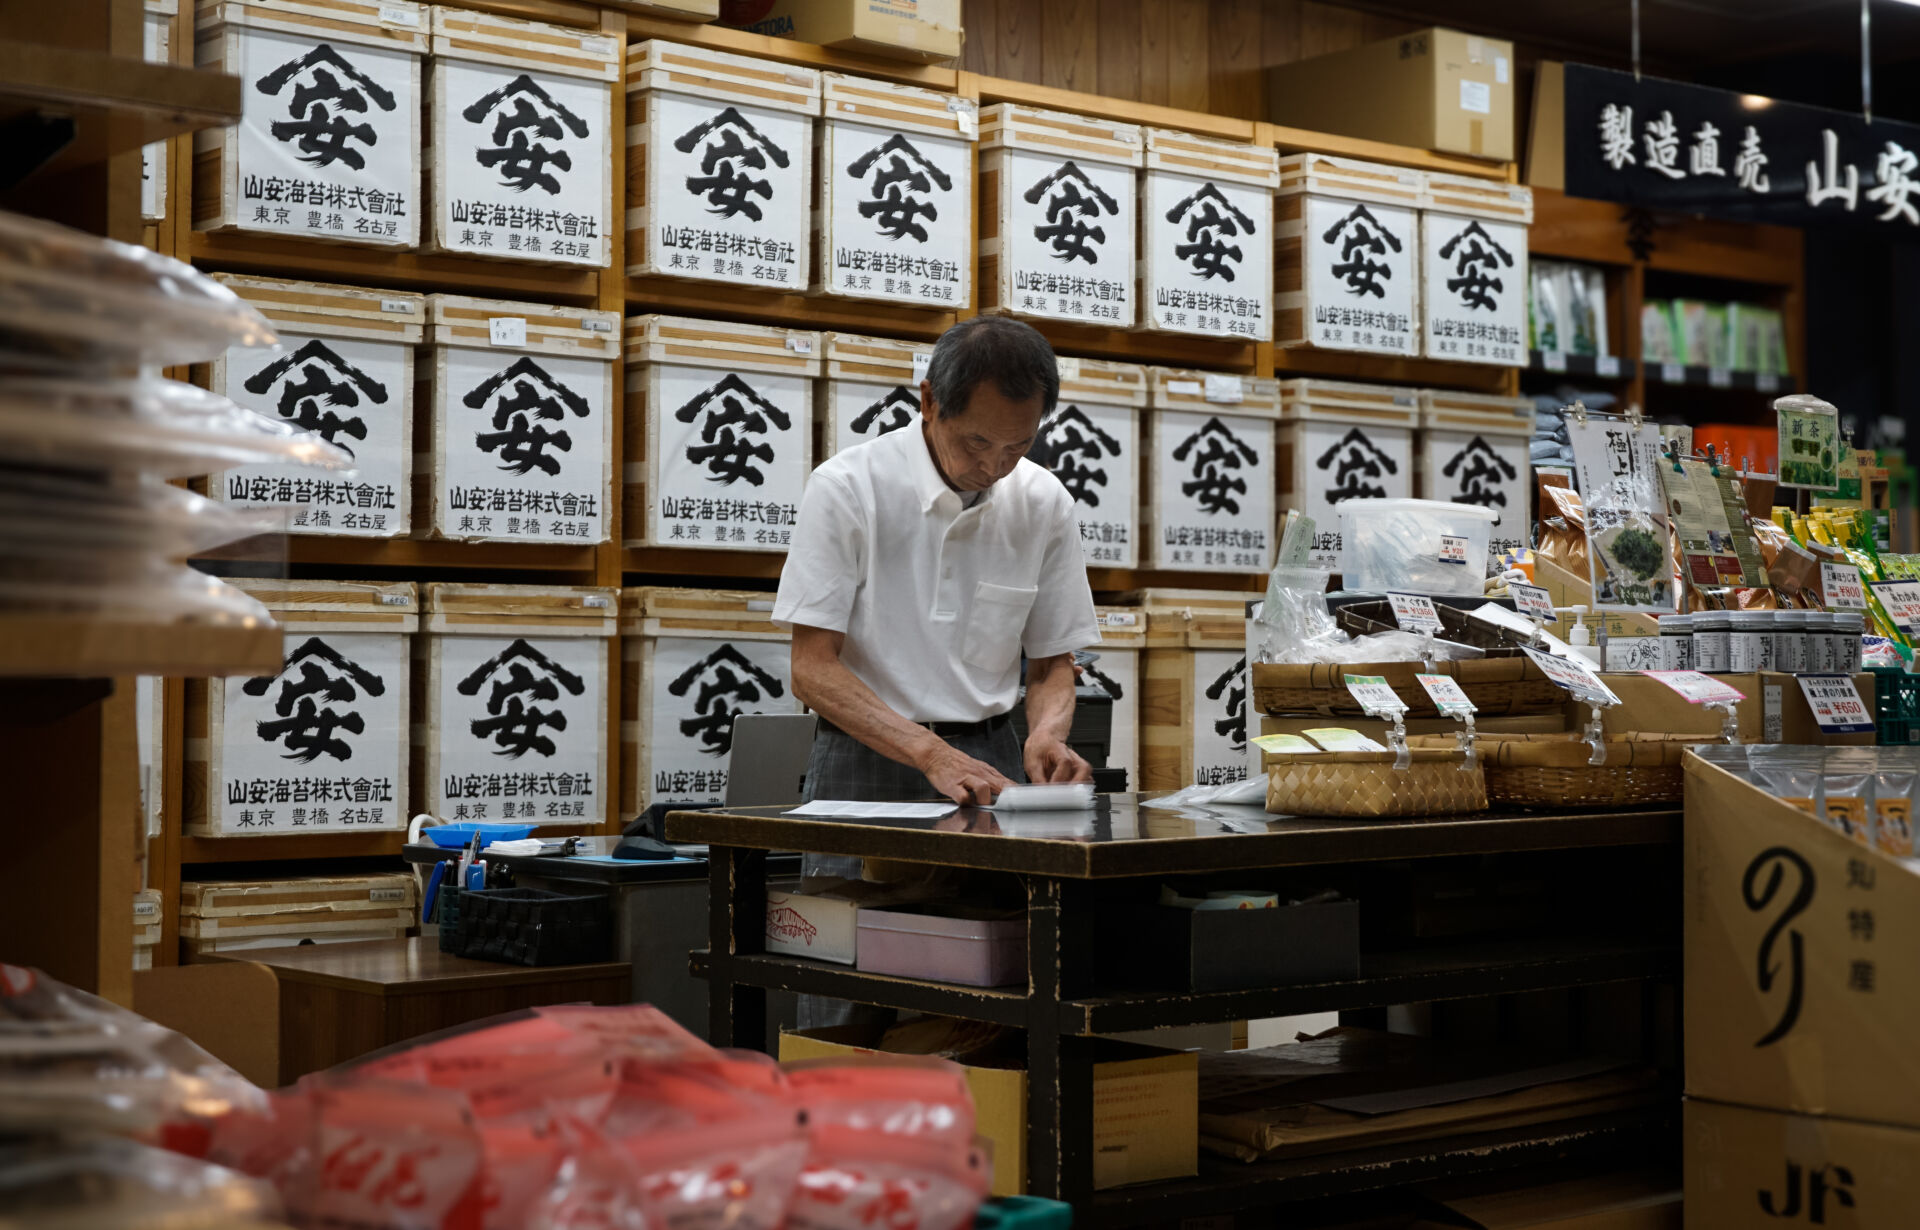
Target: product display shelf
point(1610, 368)
point(1692, 376)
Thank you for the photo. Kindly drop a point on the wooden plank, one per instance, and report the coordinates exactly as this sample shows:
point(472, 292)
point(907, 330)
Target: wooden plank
point(412, 554)
point(1019, 39)
point(1069, 44)
point(678, 295)
point(1001, 89)
point(291, 258)
point(1327, 28)
point(1235, 59)
point(661, 563)
point(787, 51)
point(1187, 67)
point(1307, 361)
point(41, 646)
point(1302, 140)
point(1574, 228)
point(981, 47)
point(1154, 64)
point(1117, 50)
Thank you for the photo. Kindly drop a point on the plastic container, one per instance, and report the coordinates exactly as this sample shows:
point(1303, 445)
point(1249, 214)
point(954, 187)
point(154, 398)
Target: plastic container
point(456, 836)
point(528, 926)
point(1711, 651)
point(981, 948)
point(1749, 641)
point(1851, 625)
point(1822, 643)
point(1792, 642)
point(1896, 706)
point(1415, 546)
point(1676, 642)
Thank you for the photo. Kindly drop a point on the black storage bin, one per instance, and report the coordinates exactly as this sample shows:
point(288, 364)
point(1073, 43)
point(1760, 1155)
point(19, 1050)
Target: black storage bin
point(1239, 950)
point(526, 926)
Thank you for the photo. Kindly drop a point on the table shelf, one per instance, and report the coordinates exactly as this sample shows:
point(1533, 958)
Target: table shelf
point(229, 252)
point(994, 1005)
point(72, 646)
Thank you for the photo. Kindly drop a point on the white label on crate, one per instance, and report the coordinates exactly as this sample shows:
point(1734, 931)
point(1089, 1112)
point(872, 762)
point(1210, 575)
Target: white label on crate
point(594, 324)
point(1414, 613)
point(1836, 704)
point(1219, 717)
point(316, 747)
point(1119, 619)
point(922, 360)
point(353, 393)
point(155, 31)
point(863, 412)
point(395, 600)
point(1772, 715)
point(1209, 256)
point(1575, 675)
point(1224, 390)
point(1531, 600)
point(730, 189)
point(897, 213)
point(1840, 587)
point(329, 138)
point(1719, 378)
point(1117, 673)
point(1185, 388)
point(1673, 373)
point(386, 894)
point(394, 15)
point(1067, 368)
point(521, 728)
point(732, 457)
point(1333, 462)
point(1213, 492)
point(525, 162)
point(1376, 696)
point(1554, 360)
point(595, 602)
point(523, 447)
point(1453, 550)
point(507, 330)
point(697, 687)
point(1606, 365)
point(1067, 244)
point(1474, 290)
point(1696, 688)
point(1447, 695)
point(1902, 601)
point(799, 345)
point(1499, 70)
point(1094, 451)
point(1361, 268)
point(398, 307)
point(146, 909)
point(1477, 97)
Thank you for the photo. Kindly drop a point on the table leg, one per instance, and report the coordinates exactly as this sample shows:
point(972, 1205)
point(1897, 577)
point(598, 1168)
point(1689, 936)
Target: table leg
point(737, 923)
point(1059, 1067)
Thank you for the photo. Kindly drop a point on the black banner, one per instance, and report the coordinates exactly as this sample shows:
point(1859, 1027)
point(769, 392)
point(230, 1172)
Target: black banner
point(1667, 145)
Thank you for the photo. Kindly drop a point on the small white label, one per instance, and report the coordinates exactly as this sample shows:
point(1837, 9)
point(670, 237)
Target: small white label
point(394, 15)
point(1069, 369)
point(1771, 719)
point(1225, 390)
point(596, 601)
point(759, 604)
point(1606, 364)
point(400, 307)
point(1477, 97)
point(146, 909)
point(395, 600)
point(1376, 696)
point(1453, 550)
point(1719, 378)
point(966, 123)
point(1836, 704)
point(1119, 619)
point(507, 330)
point(1840, 586)
point(1341, 739)
point(1554, 360)
point(1575, 675)
point(799, 345)
point(1184, 388)
point(1403, 399)
point(591, 325)
point(1447, 696)
point(1696, 688)
point(1531, 599)
point(1500, 70)
point(387, 894)
point(1415, 613)
point(1766, 382)
point(922, 359)
point(1902, 601)
point(1673, 373)
point(1126, 136)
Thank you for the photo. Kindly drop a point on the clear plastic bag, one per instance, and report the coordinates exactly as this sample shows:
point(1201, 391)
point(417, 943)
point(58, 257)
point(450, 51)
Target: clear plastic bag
point(44, 514)
point(108, 1183)
point(159, 592)
point(1294, 615)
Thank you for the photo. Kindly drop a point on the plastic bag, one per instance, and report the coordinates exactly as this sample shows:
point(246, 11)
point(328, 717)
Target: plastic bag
point(1249, 790)
point(1294, 615)
point(115, 1184)
point(158, 592)
point(388, 1157)
point(45, 514)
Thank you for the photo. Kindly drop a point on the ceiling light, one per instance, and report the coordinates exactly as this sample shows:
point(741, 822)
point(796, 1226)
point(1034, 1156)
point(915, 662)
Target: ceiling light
point(1760, 102)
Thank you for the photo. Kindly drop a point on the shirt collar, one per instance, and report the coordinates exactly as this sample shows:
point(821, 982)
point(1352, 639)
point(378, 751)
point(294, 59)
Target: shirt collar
point(926, 476)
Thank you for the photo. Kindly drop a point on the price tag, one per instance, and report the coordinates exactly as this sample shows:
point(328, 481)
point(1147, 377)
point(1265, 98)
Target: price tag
point(1696, 688)
point(922, 359)
point(1224, 390)
point(386, 894)
point(1719, 378)
point(1840, 586)
point(594, 601)
point(1766, 382)
point(965, 115)
point(1902, 600)
point(1836, 705)
point(402, 307)
point(1284, 745)
point(1068, 369)
point(507, 330)
point(593, 324)
point(395, 600)
point(1554, 360)
point(1673, 373)
point(1606, 364)
point(759, 604)
point(799, 345)
point(1531, 600)
point(1447, 696)
point(1340, 739)
point(151, 909)
point(394, 15)
point(1185, 388)
point(1453, 550)
point(1414, 613)
point(1376, 696)
point(1575, 675)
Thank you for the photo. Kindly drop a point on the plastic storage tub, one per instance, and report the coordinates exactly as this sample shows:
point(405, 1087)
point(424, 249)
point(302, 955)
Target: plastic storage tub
point(1415, 546)
point(981, 948)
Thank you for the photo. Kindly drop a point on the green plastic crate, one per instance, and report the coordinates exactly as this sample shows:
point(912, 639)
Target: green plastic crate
point(1024, 1213)
point(1896, 705)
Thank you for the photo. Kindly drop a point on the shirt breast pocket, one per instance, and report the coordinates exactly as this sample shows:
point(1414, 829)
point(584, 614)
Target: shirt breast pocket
point(994, 626)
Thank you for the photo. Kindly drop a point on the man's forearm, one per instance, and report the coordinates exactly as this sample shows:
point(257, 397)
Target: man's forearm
point(838, 695)
point(1050, 683)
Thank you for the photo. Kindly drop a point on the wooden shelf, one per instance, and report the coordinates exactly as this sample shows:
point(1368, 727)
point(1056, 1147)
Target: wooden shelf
point(1149, 346)
point(383, 268)
point(1292, 361)
point(1301, 140)
point(990, 90)
point(293, 845)
point(410, 553)
point(70, 646)
point(1122, 580)
point(692, 562)
point(118, 103)
point(682, 296)
point(1585, 366)
point(788, 51)
point(1678, 374)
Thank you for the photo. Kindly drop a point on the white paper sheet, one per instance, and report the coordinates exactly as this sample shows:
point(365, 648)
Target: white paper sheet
point(833, 809)
point(1074, 796)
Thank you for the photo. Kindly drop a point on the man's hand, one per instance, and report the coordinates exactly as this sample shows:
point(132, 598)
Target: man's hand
point(1049, 760)
point(963, 779)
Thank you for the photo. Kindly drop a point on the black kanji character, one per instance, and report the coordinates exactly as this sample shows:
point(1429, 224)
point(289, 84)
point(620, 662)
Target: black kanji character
point(1481, 470)
point(516, 723)
point(1106, 683)
point(326, 678)
point(316, 127)
point(301, 400)
point(1478, 255)
point(1233, 687)
point(891, 205)
point(729, 404)
point(518, 435)
point(1363, 460)
point(1067, 230)
point(1364, 235)
point(523, 161)
point(898, 407)
point(1212, 487)
point(722, 180)
point(1206, 224)
point(724, 692)
point(1070, 444)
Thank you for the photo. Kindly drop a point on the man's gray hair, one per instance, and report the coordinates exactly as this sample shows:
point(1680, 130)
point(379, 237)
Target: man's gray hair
point(1011, 354)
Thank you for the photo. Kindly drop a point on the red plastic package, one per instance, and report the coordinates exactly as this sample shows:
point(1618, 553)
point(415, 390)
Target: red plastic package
point(891, 1148)
point(388, 1157)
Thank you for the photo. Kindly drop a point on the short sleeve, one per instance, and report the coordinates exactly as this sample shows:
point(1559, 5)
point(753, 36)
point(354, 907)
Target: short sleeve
point(823, 568)
point(1062, 619)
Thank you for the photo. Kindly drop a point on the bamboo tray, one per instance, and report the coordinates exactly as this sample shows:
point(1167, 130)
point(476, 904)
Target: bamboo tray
point(1367, 784)
point(1497, 687)
point(1542, 770)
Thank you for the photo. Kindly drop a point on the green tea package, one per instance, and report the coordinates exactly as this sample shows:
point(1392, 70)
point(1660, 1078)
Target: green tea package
point(1847, 786)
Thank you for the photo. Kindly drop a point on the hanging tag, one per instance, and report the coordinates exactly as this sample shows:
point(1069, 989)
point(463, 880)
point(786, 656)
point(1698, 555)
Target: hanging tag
point(1447, 695)
point(507, 330)
point(1069, 369)
point(1840, 586)
point(965, 114)
point(1224, 390)
point(1531, 600)
point(1606, 365)
point(1376, 696)
point(1698, 689)
point(1836, 704)
point(1554, 360)
point(922, 359)
point(1573, 674)
point(1414, 613)
point(1902, 602)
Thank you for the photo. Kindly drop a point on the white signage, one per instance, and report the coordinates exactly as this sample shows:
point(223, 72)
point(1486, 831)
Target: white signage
point(1575, 675)
point(1068, 244)
point(899, 214)
point(1375, 695)
point(1467, 467)
point(521, 729)
point(1531, 600)
point(1414, 613)
point(863, 411)
point(1208, 248)
point(317, 747)
point(1840, 586)
point(699, 685)
point(328, 143)
point(1447, 695)
point(1836, 704)
point(355, 394)
point(523, 449)
point(1219, 717)
point(1360, 276)
point(1346, 461)
point(1474, 289)
point(1902, 601)
point(1117, 673)
point(1213, 495)
point(523, 163)
point(1698, 689)
point(732, 193)
point(153, 155)
point(1090, 449)
point(732, 458)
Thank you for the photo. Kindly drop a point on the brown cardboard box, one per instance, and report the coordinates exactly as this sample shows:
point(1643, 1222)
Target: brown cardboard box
point(1750, 1169)
point(1616, 1200)
point(1376, 728)
point(1431, 89)
point(925, 30)
point(1774, 711)
point(1146, 1109)
point(1800, 987)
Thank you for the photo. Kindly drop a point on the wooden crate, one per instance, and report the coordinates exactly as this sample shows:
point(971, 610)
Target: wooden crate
point(1346, 240)
point(1473, 270)
point(156, 47)
point(328, 143)
point(321, 746)
point(519, 156)
point(871, 386)
point(691, 660)
point(1474, 449)
point(1206, 236)
point(719, 436)
point(894, 218)
point(1091, 442)
point(1123, 634)
point(1193, 689)
point(1057, 225)
point(1342, 441)
point(344, 369)
point(513, 686)
point(231, 915)
point(1209, 472)
point(676, 10)
point(719, 166)
point(519, 422)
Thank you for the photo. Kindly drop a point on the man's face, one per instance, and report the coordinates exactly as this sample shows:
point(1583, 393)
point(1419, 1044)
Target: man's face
point(982, 446)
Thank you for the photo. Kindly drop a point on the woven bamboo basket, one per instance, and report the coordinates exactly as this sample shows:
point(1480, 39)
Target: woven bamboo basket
point(1642, 768)
point(1367, 784)
point(1496, 686)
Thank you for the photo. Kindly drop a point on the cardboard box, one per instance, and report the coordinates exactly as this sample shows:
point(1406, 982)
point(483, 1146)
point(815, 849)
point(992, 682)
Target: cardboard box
point(823, 923)
point(1774, 711)
point(1146, 1109)
point(1432, 89)
point(1800, 989)
point(923, 30)
point(1756, 1169)
point(1615, 1200)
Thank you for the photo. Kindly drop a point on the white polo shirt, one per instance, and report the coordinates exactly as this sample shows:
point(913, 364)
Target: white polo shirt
point(937, 599)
